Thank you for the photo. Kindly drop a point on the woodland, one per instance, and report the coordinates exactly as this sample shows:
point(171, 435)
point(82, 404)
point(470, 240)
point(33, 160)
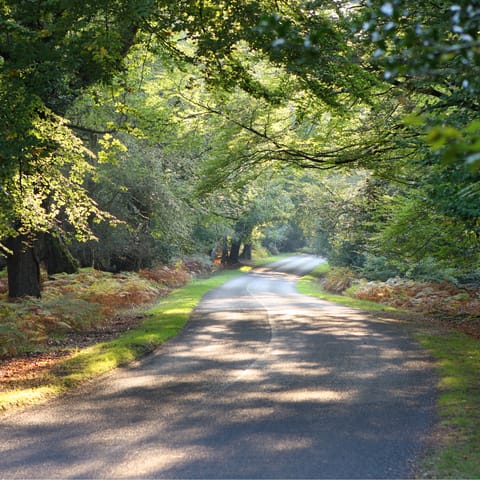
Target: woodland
point(143, 142)
point(136, 133)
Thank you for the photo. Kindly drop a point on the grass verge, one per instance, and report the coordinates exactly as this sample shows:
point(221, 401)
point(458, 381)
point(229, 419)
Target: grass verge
point(455, 452)
point(164, 321)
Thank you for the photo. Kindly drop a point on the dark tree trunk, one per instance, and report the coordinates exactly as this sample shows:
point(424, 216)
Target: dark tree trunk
point(224, 252)
point(23, 268)
point(234, 256)
point(247, 252)
point(58, 258)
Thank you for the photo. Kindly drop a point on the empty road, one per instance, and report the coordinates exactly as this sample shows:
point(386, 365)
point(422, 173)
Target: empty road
point(261, 383)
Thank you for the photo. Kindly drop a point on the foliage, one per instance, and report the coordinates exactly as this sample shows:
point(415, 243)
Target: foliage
point(27, 325)
point(431, 50)
point(379, 268)
point(48, 53)
point(173, 276)
point(78, 302)
point(310, 285)
point(48, 184)
point(338, 279)
point(427, 297)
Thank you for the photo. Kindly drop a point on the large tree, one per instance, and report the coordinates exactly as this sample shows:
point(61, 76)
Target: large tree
point(49, 52)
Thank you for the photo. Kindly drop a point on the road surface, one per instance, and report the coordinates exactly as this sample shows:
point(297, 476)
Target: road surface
point(262, 383)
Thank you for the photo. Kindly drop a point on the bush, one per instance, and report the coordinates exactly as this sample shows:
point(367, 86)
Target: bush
point(70, 303)
point(168, 275)
point(428, 269)
point(12, 337)
point(338, 279)
point(379, 268)
point(198, 264)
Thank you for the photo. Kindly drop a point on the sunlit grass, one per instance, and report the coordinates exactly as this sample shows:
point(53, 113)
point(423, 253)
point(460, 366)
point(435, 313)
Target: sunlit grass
point(27, 396)
point(458, 356)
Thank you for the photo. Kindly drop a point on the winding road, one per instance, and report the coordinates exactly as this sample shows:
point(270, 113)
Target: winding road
point(262, 383)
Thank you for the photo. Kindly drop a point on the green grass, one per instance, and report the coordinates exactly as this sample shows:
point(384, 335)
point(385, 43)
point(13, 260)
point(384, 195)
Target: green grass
point(458, 356)
point(164, 321)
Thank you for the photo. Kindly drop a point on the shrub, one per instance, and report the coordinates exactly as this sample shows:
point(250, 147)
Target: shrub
point(169, 275)
point(338, 279)
point(428, 269)
point(379, 268)
point(198, 264)
point(70, 303)
point(68, 313)
point(12, 337)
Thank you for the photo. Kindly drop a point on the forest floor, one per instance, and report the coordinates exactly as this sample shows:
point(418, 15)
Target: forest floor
point(122, 305)
point(26, 370)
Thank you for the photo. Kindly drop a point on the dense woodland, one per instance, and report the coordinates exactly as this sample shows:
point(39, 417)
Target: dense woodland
point(137, 132)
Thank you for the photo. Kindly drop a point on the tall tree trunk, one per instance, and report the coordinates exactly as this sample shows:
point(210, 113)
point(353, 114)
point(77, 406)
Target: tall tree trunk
point(247, 252)
point(224, 251)
point(57, 256)
point(233, 258)
point(23, 268)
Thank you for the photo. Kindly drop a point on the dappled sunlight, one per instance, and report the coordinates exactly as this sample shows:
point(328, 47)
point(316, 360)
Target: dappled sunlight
point(275, 379)
point(309, 396)
point(151, 460)
point(290, 445)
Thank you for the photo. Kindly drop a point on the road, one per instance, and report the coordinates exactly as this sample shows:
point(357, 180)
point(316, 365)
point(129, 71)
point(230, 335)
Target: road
point(261, 383)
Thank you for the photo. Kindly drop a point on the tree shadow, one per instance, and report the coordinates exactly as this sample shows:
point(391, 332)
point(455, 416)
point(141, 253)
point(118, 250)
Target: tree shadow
point(264, 386)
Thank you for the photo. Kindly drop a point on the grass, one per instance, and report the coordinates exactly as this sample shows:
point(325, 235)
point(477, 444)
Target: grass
point(164, 321)
point(458, 357)
point(457, 453)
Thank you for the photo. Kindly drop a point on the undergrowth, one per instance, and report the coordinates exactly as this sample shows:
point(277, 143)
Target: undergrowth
point(439, 298)
point(76, 302)
point(162, 322)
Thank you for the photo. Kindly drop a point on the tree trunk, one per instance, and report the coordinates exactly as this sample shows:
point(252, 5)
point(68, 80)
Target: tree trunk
point(247, 252)
point(224, 252)
point(233, 258)
point(23, 268)
point(57, 256)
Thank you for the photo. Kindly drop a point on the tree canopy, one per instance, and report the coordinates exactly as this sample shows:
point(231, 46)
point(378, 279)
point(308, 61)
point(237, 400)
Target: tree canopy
point(185, 125)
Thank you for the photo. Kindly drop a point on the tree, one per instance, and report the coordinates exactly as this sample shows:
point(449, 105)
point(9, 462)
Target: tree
point(49, 52)
point(318, 85)
point(430, 52)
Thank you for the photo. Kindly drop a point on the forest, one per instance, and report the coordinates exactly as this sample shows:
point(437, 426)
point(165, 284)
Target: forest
point(143, 142)
point(140, 132)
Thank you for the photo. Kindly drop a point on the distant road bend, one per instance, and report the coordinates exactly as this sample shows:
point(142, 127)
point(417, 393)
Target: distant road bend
point(261, 383)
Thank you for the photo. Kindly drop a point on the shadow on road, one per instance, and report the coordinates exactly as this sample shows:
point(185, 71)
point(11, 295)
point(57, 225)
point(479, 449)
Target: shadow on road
point(263, 383)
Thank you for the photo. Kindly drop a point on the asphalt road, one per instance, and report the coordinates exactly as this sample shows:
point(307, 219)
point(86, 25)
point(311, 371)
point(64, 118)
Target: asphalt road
point(262, 383)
